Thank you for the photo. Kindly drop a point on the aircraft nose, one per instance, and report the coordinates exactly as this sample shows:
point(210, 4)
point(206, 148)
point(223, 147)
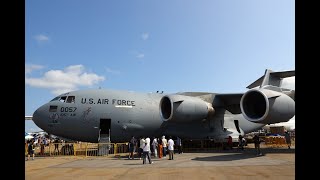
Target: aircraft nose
point(40, 117)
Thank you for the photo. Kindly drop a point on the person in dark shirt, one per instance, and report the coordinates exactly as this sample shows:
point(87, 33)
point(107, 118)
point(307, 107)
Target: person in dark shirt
point(31, 147)
point(288, 139)
point(241, 141)
point(230, 144)
point(179, 144)
point(256, 141)
point(132, 147)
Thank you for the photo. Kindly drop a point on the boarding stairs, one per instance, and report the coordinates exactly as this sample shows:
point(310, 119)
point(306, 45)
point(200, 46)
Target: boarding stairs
point(104, 144)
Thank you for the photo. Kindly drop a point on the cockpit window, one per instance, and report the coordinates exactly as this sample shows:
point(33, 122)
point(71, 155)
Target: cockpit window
point(55, 99)
point(70, 99)
point(67, 99)
point(63, 99)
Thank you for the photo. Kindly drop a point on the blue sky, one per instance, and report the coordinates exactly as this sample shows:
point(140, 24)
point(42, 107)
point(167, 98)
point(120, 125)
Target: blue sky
point(145, 45)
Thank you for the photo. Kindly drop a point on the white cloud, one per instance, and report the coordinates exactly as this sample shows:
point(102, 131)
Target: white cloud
point(41, 38)
point(112, 71)
point(62, 81)
point(140, 55)
point(30, 67)
point(137, 54)
point(145, 36)
point(289, 83)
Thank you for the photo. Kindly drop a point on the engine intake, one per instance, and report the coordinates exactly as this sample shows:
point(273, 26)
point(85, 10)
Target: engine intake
point(267, 106)
point(180, 108)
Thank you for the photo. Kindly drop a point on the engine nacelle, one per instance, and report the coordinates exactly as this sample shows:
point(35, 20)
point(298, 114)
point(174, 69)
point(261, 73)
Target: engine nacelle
point(180, 108)
point(267, 106)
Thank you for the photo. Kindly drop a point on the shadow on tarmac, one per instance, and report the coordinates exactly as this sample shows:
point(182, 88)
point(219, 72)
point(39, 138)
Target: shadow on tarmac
point(251, 151)
point(239, 154)
point(226, 157)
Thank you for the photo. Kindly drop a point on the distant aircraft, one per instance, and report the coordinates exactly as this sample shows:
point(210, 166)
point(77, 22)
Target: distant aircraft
point(27, 136)
point(28, 117)
point(289, 126)
point(99, 115)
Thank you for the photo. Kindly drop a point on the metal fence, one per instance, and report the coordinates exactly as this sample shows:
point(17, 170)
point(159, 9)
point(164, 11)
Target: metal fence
point(277, 141)
point(119, 149)
point(80, 149)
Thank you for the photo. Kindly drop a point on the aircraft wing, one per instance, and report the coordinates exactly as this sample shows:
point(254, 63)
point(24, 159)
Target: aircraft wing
point(230, 102)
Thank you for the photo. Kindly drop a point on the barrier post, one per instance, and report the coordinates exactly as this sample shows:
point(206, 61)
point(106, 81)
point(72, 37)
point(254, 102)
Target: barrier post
point(86, 148)
point(74, 149)
point(50, 149)
point(115, 148)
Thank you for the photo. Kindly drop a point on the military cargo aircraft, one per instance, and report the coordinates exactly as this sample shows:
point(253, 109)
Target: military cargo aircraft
point(99, 115)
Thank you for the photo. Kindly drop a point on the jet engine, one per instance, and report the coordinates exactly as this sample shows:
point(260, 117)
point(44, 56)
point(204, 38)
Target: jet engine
point(180, 108)
point(267, 106)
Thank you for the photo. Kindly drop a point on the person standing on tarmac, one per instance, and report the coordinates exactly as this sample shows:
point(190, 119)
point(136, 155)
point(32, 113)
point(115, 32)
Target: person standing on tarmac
point(288, 139)
point(132, 147)
point(160, 151)
point(155, 146)
point(142, 141)
point(146, 151)
point(230, 144)
point(256, 141)
point(31, 148)
point(241, 141)
point(170, 148)
point(164, 146)
point(179, 144)
point(56, 146)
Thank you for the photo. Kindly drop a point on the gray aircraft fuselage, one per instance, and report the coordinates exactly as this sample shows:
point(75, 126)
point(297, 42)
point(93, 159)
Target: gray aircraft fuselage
point(130, 113)
point(88, 115)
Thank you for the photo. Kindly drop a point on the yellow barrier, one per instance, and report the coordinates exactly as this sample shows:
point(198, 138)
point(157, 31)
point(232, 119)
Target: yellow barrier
point(80, 149)
point(117, 149)
point(275, 141)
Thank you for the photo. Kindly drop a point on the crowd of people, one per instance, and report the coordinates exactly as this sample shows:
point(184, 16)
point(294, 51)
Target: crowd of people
point(41, 142)
point(157, 148)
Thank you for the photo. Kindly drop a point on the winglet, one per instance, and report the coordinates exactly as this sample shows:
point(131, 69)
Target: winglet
point(271, 78)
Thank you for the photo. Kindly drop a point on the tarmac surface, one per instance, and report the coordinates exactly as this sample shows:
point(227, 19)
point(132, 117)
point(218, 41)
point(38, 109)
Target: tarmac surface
point(220, 164)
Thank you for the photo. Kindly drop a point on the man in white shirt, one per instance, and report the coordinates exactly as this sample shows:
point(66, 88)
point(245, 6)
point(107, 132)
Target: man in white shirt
point(142, 141)
point(155, 146)
point(146, 151)
point(170, 148)
point(164, 146)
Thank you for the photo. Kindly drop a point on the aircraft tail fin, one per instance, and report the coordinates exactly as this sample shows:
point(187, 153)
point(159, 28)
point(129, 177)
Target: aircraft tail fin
point(271, 78)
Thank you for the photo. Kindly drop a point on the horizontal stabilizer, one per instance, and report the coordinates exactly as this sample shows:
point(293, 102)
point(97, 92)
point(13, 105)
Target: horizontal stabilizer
point(271, 78)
